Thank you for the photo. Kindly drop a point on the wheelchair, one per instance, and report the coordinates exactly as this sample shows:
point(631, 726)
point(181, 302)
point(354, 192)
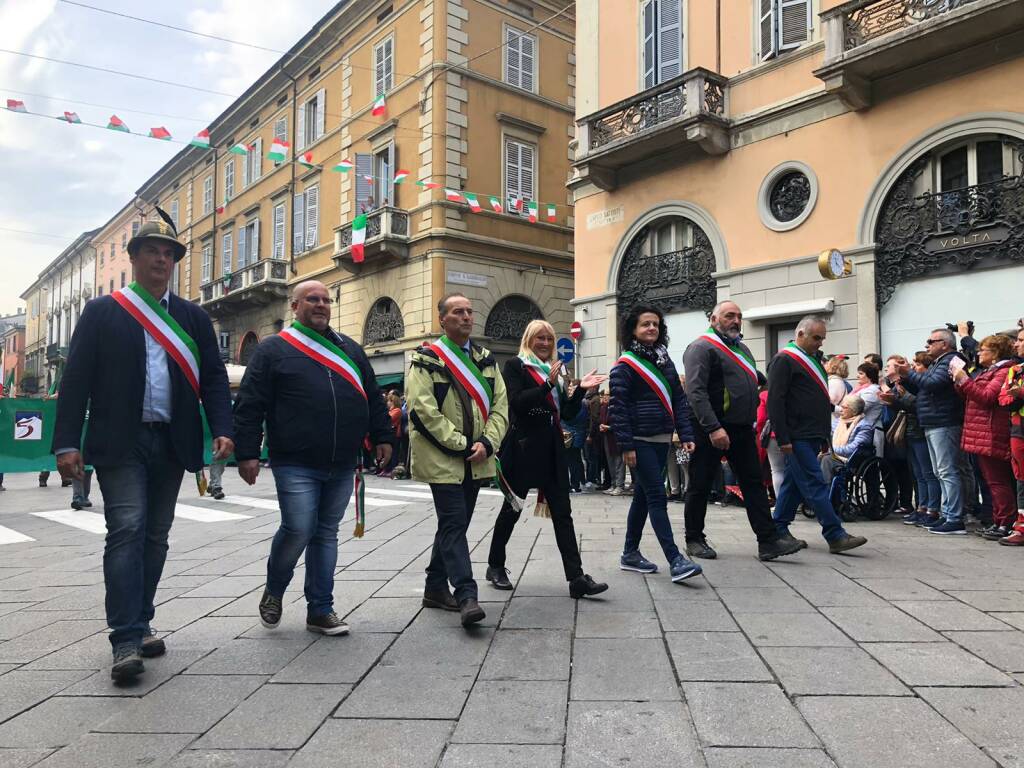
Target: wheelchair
point(865, 487)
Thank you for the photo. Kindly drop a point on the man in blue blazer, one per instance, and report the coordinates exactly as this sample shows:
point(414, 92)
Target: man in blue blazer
point(140, 360)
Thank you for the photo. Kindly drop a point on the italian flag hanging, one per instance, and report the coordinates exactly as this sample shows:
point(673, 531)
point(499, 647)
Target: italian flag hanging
point(531, 209)
point(454, 195)
point(16, 106)
point(358, 238)
point(278, 151)
point(160, 133)
point(474, 204)
point(344, 166)
point(551, 212)
point(496, 204)
point(379, 106)
point(400, 176)
point(240, 149)
point(117, 124)
point(201, 139)
point(306, 160)
point(71, 117)
point(428, 184)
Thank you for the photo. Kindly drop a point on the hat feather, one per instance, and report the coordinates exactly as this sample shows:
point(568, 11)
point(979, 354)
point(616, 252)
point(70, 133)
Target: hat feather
point(168, 219)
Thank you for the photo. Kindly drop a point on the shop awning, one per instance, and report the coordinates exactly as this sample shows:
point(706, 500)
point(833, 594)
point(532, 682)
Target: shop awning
point(387, 379)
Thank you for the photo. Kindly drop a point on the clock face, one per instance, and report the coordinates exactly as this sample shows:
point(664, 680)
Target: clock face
point(836, 263)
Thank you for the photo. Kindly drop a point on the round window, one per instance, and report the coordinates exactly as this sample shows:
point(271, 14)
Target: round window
point(787, 196)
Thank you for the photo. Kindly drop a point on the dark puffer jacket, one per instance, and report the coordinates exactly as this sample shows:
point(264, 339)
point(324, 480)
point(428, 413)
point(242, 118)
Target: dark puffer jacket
point(636, 411)
point(937, 401)
point(986, 423)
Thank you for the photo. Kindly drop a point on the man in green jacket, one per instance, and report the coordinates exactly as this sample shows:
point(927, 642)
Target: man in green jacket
point(458, 415)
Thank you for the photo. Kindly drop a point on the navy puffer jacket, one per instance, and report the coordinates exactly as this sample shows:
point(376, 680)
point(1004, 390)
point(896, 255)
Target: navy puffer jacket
point(636, 411)
point(938, 404)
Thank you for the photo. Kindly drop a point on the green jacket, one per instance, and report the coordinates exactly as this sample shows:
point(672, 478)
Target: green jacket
point(444, 423)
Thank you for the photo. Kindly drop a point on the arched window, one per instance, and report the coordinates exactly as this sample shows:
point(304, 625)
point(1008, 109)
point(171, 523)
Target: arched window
point(247, 347)
point(509, 318)
point(383, 323)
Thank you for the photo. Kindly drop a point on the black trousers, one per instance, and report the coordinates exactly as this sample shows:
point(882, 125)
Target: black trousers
point(565, 534)
point(706, 464)
point(449, 558)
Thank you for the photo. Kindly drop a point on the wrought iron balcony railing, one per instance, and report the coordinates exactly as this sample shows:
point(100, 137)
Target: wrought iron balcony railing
point(55, 352)
point(387, 235)
point(865, 20)
point(259, 282)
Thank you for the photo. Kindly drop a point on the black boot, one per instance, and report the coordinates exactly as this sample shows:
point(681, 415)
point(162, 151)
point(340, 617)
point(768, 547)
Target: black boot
point(584, 586)
point(471, 612)
point(779, 547)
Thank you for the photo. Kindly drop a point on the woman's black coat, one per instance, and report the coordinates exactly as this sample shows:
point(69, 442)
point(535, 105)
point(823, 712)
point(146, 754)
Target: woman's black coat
point(533, 452)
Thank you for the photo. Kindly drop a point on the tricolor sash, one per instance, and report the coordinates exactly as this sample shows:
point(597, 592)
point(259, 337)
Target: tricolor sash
point(324, 351)
point(165, 330)
point(737, 355)
point(652, 376)
point(811, 366)
point(539, 372)
point(466, 373)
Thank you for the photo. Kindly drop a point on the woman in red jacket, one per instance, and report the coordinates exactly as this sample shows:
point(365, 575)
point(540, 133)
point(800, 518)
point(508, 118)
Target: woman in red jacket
point(1012, 396)
point(986, 431)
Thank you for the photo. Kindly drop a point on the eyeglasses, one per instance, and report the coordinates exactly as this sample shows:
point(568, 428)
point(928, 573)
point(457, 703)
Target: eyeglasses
point(929, 342)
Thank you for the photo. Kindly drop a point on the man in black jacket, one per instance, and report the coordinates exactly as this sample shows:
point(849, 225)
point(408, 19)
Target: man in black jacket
point(140, 359)
point(722, 383)
point(317, 393)
point(801, 414)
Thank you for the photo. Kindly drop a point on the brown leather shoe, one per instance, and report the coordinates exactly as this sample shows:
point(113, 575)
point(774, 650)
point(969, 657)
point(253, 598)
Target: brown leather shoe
point(845, 543)
point(471, 612)
point(442, 600)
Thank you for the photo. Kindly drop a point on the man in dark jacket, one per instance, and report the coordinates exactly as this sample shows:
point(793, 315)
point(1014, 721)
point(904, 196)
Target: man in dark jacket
point(722, 384)
point(940, 411)
point(801, 414)
point(317, 393)
point(140, 359)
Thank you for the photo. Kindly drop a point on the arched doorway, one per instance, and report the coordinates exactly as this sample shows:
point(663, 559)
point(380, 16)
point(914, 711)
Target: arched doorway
point(384, 322)
point(247, 347)
point(509, 317)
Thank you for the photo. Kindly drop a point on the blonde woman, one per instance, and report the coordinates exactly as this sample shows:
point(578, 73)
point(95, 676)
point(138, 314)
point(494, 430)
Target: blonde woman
point(838, 370)
point(533, 452)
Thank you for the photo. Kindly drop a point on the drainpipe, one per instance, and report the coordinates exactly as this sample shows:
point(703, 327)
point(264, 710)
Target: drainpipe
point(718, 36)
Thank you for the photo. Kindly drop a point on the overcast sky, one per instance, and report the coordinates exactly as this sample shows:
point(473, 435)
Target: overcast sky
point(59, 179)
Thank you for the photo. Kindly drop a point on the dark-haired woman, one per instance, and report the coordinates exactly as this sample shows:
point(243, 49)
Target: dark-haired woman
point(647, 405)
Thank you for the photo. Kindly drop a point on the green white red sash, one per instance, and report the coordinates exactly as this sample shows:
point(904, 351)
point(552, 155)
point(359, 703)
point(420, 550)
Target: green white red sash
point(325, 352)
point(165, 330)
point(539, 372)
point(654, 378)
point(737, 355)
point(811, 366)
point(466, 373)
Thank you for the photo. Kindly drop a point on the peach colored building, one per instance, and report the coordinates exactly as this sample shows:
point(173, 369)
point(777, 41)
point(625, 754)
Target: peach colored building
point(113, 268)
point(723, 146)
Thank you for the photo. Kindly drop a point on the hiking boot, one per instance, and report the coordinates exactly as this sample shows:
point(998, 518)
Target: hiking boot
point(779, 547)
point(634, 561)
point(683, 569)
point(440, 599)
point(471, 612)
point(584, 586)
point(127, 663)
point(846, 542)
point(949, 528)
point(326, 624)
point(152, 646)
point(788, 538)
point(498, 577)
point(270, 610)
point(700, 548)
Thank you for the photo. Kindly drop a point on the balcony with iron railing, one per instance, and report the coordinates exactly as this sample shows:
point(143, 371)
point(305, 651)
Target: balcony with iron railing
point(56, 353)
point(684, 115)
point(386, 239)
point(878, 48)
point(251, 287)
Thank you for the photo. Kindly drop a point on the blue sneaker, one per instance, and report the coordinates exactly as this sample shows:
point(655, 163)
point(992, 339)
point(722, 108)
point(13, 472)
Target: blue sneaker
point(918, 518)
point(634, 561)
point(949, 529)
point(932, 521)
point(683, 569)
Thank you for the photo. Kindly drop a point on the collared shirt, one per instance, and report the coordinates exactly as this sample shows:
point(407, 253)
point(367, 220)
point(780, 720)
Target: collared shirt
point(156, 400)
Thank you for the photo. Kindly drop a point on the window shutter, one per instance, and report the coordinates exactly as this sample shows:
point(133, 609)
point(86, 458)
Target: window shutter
point(278, 252)
point(227, 248)
point(229, 178)
point(246, 180)
point(312, 216)
point(670, 39)
point(650, 65)
point(256, 158)
point(321, 103)
point(254, 245)
point(281, 128)
point(389, 64)
point(242, 252)
point(527, 49)
point(298, 223)
point(174, 216)
point(767, 28)
point(378, 70)
point(511, 172)
point(794, 23)
point(526, 175)
point(207, 255)
point(300, 127)
point(388, 183)
point(364, 190)
point(513, 67)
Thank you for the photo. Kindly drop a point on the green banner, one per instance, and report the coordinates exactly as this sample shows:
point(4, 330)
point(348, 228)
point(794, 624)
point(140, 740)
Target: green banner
point(26, 430)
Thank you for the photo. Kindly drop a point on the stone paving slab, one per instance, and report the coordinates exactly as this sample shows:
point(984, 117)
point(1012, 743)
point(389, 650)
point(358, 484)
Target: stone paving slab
point(99, 750)
point(766, 757)
point(1001, 649)
point(950, 615)
point(622, 670)
point(231, 758)
point(715, 656)
point(838, 671)
point(528, 654)
point(375, 744)
point(658, 734)
point(504, 755)
point(791, 630)
point(514, 712)
point(746, 715)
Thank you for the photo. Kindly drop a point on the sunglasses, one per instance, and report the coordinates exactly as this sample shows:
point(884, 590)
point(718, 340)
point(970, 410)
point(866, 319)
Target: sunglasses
point(929, 342)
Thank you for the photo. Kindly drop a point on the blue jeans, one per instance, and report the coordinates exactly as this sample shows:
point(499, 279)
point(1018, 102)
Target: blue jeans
point(944, 451)
point(805, 481)
point(313, 502)
point(138, 503)
point(929, 492)
point(649, 500)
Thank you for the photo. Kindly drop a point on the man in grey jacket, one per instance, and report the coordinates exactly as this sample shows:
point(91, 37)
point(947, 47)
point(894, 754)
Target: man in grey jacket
point(722, 384)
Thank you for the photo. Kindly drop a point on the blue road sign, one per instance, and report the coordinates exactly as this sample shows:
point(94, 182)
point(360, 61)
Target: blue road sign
point(566, 350)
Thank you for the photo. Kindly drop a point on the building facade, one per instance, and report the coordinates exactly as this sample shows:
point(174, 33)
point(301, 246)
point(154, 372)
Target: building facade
point(113, 267)
point(479, 99)
point(12, 351)
point(34, 378)
point(722, 147)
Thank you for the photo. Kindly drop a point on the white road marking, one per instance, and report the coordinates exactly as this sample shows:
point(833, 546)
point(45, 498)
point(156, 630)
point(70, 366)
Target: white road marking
point(10, 536)
point(483, 491)
point(86, 521)
point(252, 501)
point(206, 515)
point(399, 492)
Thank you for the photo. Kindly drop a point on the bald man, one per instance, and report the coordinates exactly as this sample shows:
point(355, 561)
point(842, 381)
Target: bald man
point(316, 392)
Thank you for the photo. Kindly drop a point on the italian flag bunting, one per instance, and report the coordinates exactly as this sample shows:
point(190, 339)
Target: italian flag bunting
point(518, 202)
point(71, 117)
point(551, 212)
point(117, 124)
point(454, 195)
point(531, 209)
point(16, 106)
point(160, 133)
point(343, 166)
point(496, 204)
point(474, 204)
point(9, 384)
point(428, 184)
point(400, 176)
point(306, 160)
point(379, 106)
point(278, 151)
point(240, 149)
point(201, 139)
point(358, 238)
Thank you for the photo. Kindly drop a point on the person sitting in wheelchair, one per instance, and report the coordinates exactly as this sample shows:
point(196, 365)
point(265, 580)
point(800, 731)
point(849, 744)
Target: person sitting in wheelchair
point(852, 440)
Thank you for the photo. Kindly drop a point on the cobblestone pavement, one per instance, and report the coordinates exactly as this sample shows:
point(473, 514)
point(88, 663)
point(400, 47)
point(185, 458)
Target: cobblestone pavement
point(907, 653)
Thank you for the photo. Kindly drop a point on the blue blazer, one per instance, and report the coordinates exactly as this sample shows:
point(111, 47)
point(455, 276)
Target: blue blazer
point(106, 372)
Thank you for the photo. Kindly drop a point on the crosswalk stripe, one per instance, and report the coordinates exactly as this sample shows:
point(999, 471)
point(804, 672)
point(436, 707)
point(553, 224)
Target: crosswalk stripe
point(86, 521)
point(398, 492)
point(10, 536)
point(482, 492)
point(258, 503)
point(205, 514)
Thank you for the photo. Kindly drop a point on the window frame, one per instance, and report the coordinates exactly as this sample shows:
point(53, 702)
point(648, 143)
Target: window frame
point(385, 83)
point(207, 197)
point(778, 47)
point(229, 177)
point(227, 240)
point(505, 184)
point(206, 268)
point(505, 77)
point(278, 243)
point(656, 66)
